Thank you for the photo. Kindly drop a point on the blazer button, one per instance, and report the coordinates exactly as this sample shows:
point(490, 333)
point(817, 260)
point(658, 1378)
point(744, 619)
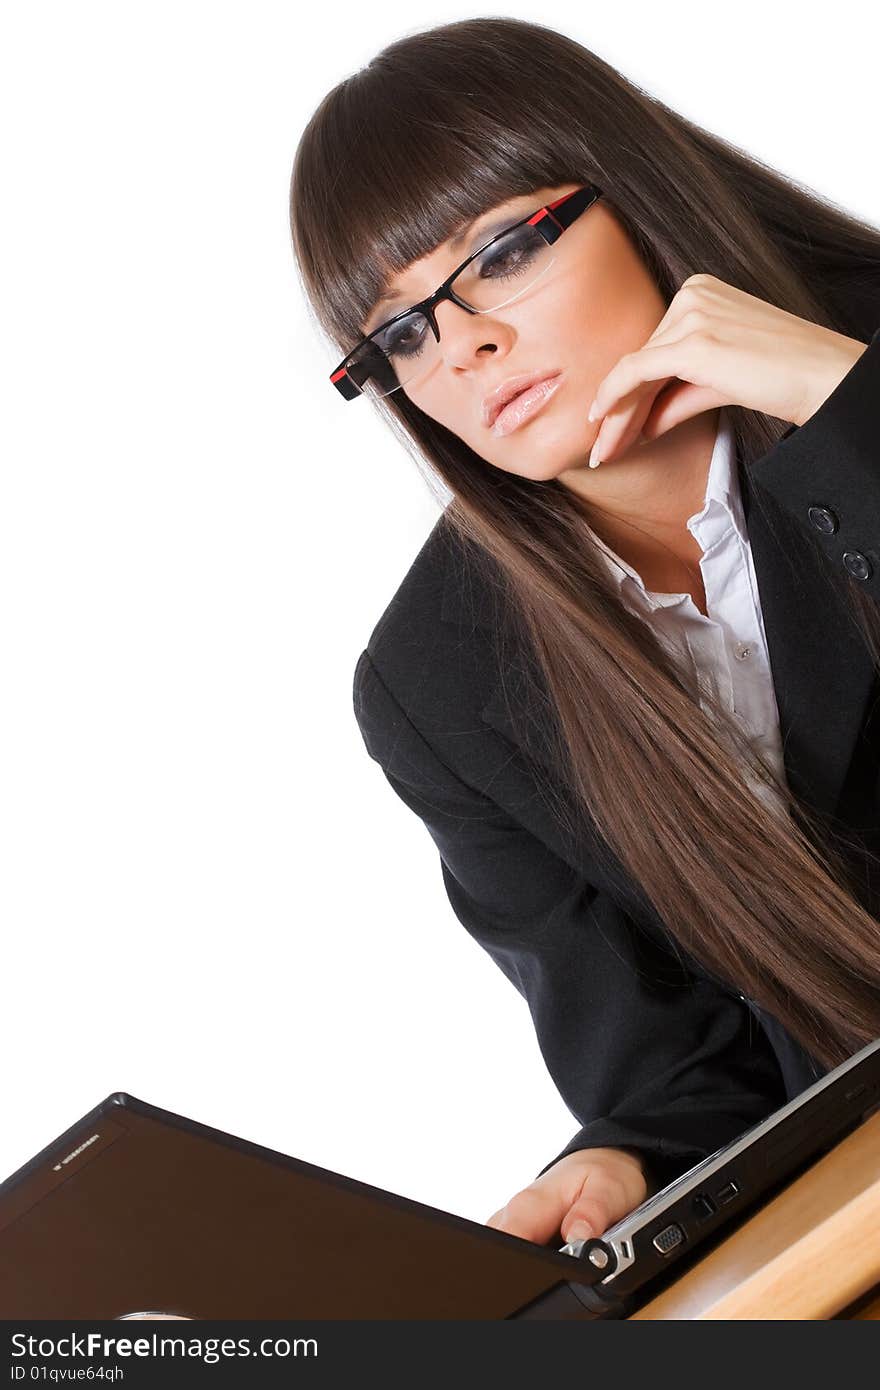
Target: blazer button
point(824, 520)
point(858, 564)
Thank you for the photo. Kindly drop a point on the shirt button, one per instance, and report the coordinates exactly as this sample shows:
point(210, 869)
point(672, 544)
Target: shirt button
point(742, 650)
point(858, 564)
point(824, 519)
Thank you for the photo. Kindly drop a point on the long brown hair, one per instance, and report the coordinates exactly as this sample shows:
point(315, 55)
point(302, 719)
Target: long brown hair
point(440, 126)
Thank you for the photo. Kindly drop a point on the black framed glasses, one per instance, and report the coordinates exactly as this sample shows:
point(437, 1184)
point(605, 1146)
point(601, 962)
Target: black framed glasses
point(406, 347)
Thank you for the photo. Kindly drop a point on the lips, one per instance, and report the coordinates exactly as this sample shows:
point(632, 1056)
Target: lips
point(525, 405)
point(504, 394)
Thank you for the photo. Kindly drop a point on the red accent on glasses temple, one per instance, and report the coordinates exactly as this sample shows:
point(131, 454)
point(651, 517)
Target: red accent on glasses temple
point(336, 375)
point(545, 212)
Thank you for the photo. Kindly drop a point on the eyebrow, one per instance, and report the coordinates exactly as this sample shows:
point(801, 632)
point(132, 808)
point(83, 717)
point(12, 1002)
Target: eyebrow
point(479, 235)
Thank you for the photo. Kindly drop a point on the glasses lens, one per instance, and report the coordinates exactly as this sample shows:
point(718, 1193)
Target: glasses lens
point(505, 270)
point(406, 350)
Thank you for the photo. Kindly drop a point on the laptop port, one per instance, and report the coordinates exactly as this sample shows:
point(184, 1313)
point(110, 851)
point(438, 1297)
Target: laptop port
point(727, 1193)
point(703, 1206)
point(668, 1239)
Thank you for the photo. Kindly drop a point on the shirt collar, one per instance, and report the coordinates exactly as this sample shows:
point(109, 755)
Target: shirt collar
point(722, 507)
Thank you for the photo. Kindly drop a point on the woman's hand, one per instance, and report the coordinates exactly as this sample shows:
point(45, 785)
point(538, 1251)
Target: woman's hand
point(581, 1195)
point(715, 346)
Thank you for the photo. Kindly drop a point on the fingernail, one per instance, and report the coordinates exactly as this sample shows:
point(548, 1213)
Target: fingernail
point(579, 1230)
point(595, 459)
point(593, 412)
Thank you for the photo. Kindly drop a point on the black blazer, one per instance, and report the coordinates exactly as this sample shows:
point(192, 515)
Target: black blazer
point(646, 1052)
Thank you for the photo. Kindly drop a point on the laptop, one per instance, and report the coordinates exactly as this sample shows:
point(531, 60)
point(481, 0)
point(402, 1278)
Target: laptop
point(136, 1212)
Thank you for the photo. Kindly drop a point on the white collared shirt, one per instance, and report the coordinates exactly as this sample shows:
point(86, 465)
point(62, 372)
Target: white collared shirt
point(725, 650)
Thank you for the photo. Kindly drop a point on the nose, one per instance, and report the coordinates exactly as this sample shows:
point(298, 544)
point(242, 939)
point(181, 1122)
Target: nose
point(463, 334)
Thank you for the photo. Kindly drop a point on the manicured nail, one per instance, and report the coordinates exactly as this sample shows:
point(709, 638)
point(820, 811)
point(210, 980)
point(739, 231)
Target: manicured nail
point(595, 458)
point(593, 412)
point(580, 1230)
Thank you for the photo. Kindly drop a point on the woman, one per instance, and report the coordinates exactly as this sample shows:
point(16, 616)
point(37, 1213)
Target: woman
point(634, 704)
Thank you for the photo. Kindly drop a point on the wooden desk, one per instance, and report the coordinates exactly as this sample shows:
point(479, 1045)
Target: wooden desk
point(812, 1252)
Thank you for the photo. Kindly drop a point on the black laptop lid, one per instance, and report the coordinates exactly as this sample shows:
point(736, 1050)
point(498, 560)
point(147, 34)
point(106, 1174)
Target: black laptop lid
point(137, 1209)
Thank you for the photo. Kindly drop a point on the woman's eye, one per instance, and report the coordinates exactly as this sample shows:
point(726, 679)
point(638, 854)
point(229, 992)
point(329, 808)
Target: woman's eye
point(506, 259)
point(404, 340)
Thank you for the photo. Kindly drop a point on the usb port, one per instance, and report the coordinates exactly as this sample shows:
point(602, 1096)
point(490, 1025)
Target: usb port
point(727, 1193)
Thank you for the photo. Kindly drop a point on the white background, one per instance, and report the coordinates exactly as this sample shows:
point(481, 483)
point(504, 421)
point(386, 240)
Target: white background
point(209, 896)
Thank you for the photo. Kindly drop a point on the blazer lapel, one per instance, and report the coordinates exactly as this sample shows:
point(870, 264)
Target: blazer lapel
point(821, 670)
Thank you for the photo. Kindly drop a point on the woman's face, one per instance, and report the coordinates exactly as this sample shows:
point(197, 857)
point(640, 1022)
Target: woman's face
point(595, 303)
